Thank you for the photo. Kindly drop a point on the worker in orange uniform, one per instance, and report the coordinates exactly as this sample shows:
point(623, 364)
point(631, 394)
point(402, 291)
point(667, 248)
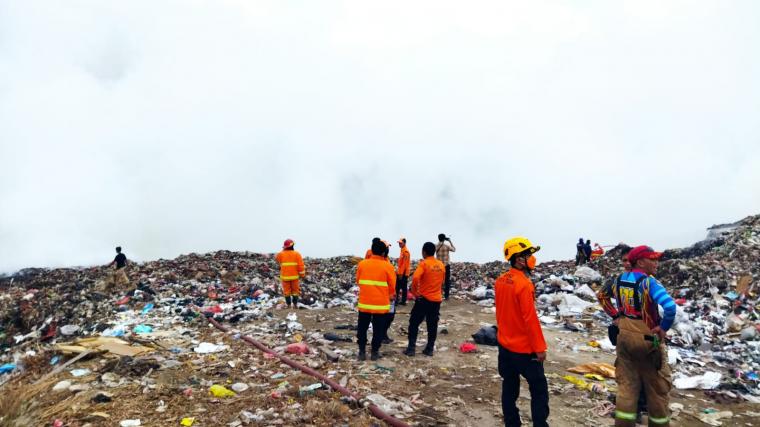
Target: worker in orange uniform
point(377, 287)
point(426, 286)
point(291, 269)
point(402, 272)
point(368, 254)
point(522, 349)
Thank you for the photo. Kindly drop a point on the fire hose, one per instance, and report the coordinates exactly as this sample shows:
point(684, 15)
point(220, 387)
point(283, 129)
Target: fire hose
point(374, 409)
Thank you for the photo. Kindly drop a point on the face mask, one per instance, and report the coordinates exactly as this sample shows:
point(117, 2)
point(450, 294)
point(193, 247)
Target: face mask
point(531, 262)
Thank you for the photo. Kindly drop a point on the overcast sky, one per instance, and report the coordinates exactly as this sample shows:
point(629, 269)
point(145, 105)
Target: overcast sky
point(171, 127)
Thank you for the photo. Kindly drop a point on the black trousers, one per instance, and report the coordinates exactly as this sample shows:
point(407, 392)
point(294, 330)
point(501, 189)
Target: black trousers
point(447, 282)
point(511, 367)
point(401, 288)
point(430, 312)
point(379, 323)
point(388, 321)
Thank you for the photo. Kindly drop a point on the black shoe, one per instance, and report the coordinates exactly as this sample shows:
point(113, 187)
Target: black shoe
point(387, 340)
point(428, 352)
point(362, 356)
point(409, 352)
point(375, 355)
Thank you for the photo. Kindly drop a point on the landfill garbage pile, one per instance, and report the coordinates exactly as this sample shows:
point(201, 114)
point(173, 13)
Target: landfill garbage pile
point(47, 315)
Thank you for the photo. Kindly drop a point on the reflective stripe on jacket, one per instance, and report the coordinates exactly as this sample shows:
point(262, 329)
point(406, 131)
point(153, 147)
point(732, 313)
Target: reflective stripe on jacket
point(291, 265)
point(377, 285)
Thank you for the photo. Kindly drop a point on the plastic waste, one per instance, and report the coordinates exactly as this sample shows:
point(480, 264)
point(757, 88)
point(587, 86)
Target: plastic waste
point(579, 383)
point(69, 329)
point(207, 348)
point(148, 307)
point(80, 372)
point(221, 391)
point(297, 348)
point(239, 387)
point(486, 335)
point(130, 423)
point(187, 421)
point(8, 367)
point(468, 347)
point(309, 389)
point(708, 381)
point(142, 329)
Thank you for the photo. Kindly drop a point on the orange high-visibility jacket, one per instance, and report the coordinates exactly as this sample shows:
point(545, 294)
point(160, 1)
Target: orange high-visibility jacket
point(519, 330)
point(428, 278)
point(404, 262)
point(291, 265)
point(377, 285)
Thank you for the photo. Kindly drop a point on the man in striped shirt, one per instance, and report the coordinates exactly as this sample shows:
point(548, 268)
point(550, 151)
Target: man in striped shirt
point(641, 353)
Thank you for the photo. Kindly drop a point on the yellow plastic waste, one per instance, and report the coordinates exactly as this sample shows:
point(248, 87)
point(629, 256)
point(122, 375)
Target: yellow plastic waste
point(594, 344)
point(221, 391)
point(579, 383)
point(594, 377)
point(188, 421)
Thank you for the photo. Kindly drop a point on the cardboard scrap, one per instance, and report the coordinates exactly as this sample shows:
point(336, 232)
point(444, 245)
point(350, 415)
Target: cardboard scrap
point(604, 369)
point(111, 345)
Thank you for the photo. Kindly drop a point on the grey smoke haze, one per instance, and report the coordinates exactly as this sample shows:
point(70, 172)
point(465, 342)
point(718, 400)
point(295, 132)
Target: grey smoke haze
point(171, 127)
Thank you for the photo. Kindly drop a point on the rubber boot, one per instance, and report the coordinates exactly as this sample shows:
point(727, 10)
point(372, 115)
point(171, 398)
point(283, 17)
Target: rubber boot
point(287, 301)
point(295, 301)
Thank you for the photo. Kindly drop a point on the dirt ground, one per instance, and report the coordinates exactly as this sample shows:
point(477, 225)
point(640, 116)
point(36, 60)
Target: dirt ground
point(451, 388)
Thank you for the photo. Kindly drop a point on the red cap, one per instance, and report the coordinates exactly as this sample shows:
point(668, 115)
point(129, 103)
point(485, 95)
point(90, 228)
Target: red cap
point(641, 252)
point(288, 243)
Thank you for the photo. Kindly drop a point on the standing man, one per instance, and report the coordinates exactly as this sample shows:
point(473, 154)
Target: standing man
point(377, 287)
point(291, 269)
point(580, 253)
point(587, 250)
point(426, 286)
point(641, 353)
point(604, 296)
point(368, 254)
point(402, 272)
point(442, 250)
point(522, 349)
point(119, 276)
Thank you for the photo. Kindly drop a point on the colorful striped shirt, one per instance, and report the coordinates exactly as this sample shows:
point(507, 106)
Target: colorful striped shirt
point(651, 294)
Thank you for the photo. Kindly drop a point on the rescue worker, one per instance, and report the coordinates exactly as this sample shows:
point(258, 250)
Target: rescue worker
point(522, 349)
point(377, 287)
point(402, 272)
point(119, 276)
point(442, 252)
point(368, 254)
point(641, 353)
point(426, 286)
point(613, 331)
point(392, 313)
point(291, 269)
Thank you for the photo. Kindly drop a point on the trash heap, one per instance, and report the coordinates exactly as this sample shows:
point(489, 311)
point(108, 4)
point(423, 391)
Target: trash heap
point(715, 342)
point(156, 329)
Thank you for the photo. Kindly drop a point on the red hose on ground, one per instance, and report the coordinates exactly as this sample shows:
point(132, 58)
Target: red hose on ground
point(376, 411)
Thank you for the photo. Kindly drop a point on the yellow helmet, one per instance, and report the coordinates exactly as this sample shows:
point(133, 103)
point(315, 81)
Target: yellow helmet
point(516, 245)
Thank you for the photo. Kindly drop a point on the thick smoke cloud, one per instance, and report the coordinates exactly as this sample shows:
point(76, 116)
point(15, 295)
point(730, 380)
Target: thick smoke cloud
point(171, 127)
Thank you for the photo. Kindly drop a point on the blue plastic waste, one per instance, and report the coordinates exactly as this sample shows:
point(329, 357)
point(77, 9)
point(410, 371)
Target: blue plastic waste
point(142, 329)
point(148, 307)
point(7, 368)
